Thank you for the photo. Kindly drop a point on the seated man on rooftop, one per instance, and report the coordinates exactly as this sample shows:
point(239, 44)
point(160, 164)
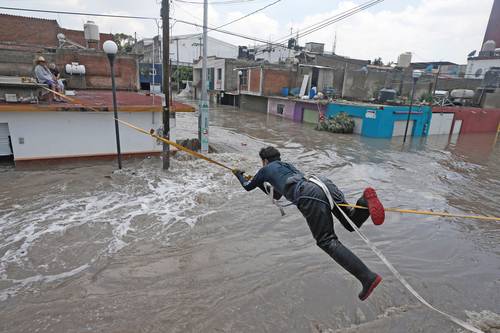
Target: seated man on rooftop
point(43, 75)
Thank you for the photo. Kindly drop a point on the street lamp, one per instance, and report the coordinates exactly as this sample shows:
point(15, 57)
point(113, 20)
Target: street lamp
point(416, 74)
point(110, 48)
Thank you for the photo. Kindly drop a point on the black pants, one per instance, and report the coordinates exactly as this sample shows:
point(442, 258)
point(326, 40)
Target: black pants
point(320, 221)
point(318, 215)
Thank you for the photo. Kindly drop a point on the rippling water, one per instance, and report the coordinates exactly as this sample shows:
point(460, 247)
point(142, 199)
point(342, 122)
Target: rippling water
point(86, 248)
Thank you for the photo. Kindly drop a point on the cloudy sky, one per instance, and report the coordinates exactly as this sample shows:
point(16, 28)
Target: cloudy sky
point(432, 30)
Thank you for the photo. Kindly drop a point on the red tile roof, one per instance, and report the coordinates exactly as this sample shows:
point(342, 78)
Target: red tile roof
point(102, 100)
point(23, 31)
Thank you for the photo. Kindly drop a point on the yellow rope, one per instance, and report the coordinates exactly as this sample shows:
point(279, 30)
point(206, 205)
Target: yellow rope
point(425, 212)
point(405, 211)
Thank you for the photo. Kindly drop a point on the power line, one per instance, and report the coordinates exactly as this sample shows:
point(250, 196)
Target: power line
point(228, 2)
point(140, 18)
point(80, 13)
point(247, 15)
point(319, 25)
point(240, 18)
point(322, 24)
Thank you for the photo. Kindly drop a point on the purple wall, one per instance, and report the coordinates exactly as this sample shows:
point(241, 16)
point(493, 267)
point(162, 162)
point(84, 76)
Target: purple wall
point(301, 105)
point(288, 111)
point(293, 109)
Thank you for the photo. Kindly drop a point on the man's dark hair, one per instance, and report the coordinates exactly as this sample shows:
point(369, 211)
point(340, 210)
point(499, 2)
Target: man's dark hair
point(270, 154)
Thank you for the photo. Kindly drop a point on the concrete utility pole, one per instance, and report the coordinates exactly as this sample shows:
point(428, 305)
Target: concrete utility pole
point(178, 72)
point(203, 117)
point(165, 13)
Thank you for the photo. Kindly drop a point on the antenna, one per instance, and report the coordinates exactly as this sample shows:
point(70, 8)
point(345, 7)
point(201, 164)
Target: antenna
point(335, 42)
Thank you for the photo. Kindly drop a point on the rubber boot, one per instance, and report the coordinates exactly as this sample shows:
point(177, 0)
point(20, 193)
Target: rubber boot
point(357, 215)
point(360, 215)
point(375, 207)
point(351, 263)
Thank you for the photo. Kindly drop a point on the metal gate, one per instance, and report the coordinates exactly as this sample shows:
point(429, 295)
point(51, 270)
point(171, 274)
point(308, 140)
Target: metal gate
point(4, 140)
point(441, 123)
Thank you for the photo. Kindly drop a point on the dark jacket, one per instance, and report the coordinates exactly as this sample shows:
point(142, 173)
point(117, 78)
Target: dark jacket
point(281, 175)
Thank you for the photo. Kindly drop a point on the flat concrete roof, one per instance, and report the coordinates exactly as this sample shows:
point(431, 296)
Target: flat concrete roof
point(102, 100)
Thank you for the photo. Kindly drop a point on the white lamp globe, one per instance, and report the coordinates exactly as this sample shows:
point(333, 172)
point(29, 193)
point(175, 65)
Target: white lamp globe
point(110, 47)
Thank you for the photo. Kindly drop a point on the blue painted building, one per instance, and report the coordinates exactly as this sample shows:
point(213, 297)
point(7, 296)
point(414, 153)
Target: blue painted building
point(384, 121)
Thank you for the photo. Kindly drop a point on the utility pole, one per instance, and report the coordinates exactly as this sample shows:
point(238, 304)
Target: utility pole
point(165, 13)
point(203, 117)
point(178, 72)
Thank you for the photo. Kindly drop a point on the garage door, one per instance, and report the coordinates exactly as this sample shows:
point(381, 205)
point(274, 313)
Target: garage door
point(400, 126)
point(441, 123)
point(311, 116)
point(4, 140)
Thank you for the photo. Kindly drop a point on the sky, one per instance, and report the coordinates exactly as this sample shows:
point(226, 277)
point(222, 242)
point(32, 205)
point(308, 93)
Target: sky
point(433, 30)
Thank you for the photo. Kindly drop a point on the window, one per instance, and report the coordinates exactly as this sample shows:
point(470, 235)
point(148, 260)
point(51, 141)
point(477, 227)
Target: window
point(280, 108)
point(219, 73)
point(479, 72)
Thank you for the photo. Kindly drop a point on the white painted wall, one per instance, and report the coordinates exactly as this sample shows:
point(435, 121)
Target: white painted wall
point(273, 54)
point(189, 52)
point(71, 134)
point(211, 63)
point(473, 65)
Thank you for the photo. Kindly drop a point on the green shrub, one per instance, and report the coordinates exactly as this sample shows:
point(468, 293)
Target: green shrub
point(341, 123)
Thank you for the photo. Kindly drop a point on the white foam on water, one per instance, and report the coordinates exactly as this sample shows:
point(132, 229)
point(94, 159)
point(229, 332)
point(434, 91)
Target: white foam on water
point(487, 321)
point(6, 293)
point(145, 202)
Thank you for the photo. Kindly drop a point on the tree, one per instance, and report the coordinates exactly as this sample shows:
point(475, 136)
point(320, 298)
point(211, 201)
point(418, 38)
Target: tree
point(378, 62)
point(125, 42)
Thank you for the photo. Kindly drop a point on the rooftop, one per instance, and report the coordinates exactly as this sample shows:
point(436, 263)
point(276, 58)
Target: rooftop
point(101, 100)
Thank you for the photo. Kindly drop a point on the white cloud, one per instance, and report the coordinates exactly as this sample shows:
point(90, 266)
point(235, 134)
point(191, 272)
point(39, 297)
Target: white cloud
point(434, 30)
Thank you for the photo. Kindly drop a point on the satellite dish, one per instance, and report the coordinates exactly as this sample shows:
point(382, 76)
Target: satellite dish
point(60, 36)
point(473, 53)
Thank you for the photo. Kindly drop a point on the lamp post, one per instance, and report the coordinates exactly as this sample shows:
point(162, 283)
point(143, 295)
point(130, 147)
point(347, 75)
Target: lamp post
point(416, 74)
point(110, 48)
point(240, 73)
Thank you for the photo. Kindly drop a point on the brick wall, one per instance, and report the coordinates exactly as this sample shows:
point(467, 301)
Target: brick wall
point(20, 30)
point(474, 120)
point(274, 80)
point(97, 69)
point(21, 63)
point(254, 84)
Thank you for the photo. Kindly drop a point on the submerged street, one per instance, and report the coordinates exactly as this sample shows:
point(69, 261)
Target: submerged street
point(86, 248)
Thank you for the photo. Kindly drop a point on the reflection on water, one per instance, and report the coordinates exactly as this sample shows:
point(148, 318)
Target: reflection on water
point(84, 248)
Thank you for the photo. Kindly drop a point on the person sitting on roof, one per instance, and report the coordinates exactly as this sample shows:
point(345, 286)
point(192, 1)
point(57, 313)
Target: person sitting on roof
point(43, 75)
point(57, 75)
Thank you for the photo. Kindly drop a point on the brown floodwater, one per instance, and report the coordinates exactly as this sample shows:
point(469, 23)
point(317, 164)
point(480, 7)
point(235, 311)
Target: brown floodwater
point(84, 248)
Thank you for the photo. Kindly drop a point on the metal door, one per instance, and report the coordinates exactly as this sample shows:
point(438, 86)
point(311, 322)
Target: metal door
point(400, 126)
point(4, 140)
point(441, 123)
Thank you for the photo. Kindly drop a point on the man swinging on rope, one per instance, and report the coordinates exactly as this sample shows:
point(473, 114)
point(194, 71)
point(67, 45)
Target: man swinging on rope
point(314, 204)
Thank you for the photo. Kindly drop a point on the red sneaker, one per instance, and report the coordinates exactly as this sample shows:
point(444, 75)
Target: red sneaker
point(375, 207)
point(367, 291)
